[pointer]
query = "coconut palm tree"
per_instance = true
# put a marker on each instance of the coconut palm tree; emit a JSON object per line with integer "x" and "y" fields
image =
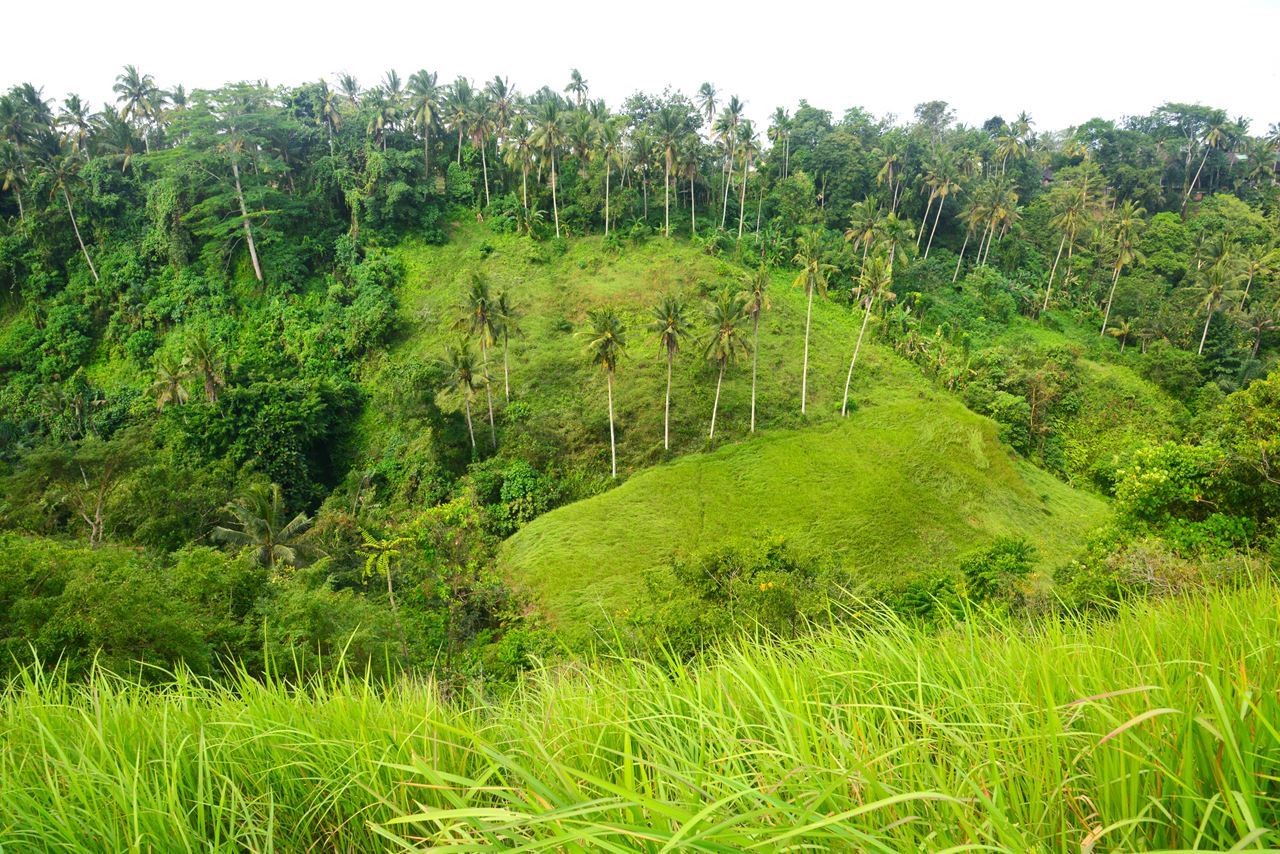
{"x": 1121, "y": 331}
{"x": 464, "y": 379}
{"x": 577, "y": 86}
{"x": 894, "y": 240}
{"x": 780, "y": 135}
{"x": 609, "y": 140}
{"x": 727, "y": 129}
{"x": 1126, "y": 225}
{"x": 865, "y": 224}
{"x": 873, "y": 284}
{"x": 424, "y": 105}
{"x": 1215, "y": 136}
{"x": 548, "y": 136}
{"x": 725, "y": 341}
{"x": 970, "y": 216}
{"x": 707, "y": 103}
{"x": 76, "y": 121}
{"x": 458, "y": 110}
{"x": 811, "y": 255}
{"x": 945, "y": 184}
{"x": 749, "y": 148}
{"x": 757, "y": 301}
{"x": 138, "y": 97}
{"x": 64, "y": 173}
{"x": 12, "y": 175}
{"x": 480, "y": 128}
{"x": 1258, "y": 321}
{"x": 261, "y": 523}
{"x": 608, "y": 342}
{"x": 1258, "y": 261}
{"x": 671, "y": 324}
{"x": 350, "y": 88}
{"x": 169, "y": 388}
{"x": 479, "y": 320}
{"x": 1069, "y": 221}
{"x": 330, "y": 112}
{"x": 1217, "y": 283}
{"x": 669, "y": 127}
{"x": 517, "y": 153}
{"x": 206, "y": 360}
{"x": 506, "y": 319}
{"x": 689, "y": 159}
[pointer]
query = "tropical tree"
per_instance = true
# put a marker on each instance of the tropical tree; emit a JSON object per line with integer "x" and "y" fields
{"x": 139, "y": 98}
{"x": 506, "y": 320}
{"x": 459, "y": 111}
{"x": 517, "y": 153}
{"x": 725, "y": 341}
{"x": 330, "y": 112}
{"x": 169, "y": 388}
{"x": 1217, "y": 283}
{"x": 577, "y": 86}
{"x": 811, "y": 255}
{"x": 480, "y": 321}
{"x": 424, "y": 102}
{"x": 895, "y": 240}
{"x": 873, "y": 284}
{"x": 780, "y": 135}
{"x": 944, "y": 185}
{"x": 1126, "y": 225}
{"x": 1257, "y": 322}
{"x": 608, "y": 342}
{"x": 757, "y": 301}
{"x": 748, "y": 148}
{"x": 205, "y": 359}
{"x": 1258, "y": 261}
{"x": 1121, "y": 331}
{"x": 1070, "y": 220}
{"x": 548, "y": 135}
{"x": 707, "y": 103}
{"x": 727, "y": 129}
{"x": 865, "y": 224}
{"x": 64, "y": 173}
{"x": 609, "y": 140}
{"x": 12, "y": 175}
{"x": 669, "y": 127}
{"x": 261, "y": 523}
{"x": 671, "y": 324}
{"x": 464, "y": 379}
{"x": 1215, "y": 137}
{"x": 381, "y": 554}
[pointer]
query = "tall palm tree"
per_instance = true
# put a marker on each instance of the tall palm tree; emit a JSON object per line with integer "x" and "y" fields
{"x": 548, "y": 135}
{"x": 169, "y": 388}
{"x": 945, "y": 184}
{"x": 1069, "y": 221}
{"x": 811, "y": 255}
{"x": 350, "y": 88}
{"x": 76, "y": 121}
{"x": 609, "y": 140}
{"x": 458, "y": 110}
{"x": 725, "y": 340}
{"x": 780, "y": 135}
{"x": 1258, "y": 261}
{"x": 424, "y": 104}
{"x": 757, "y": 301}
{"x": 873, "y": 284}
{"x": 1121, "y": 331}
{"x": 1125, "y": 226}
{"x": 12, "y": 175}
{"x": 206, "y": 360}
{"x": 1258, "y": 321}
{"x": 506, "y": 318}
{"x": 64, "y": 173}
{"x": 727, "y": 129}
{"x": 749, "y": 148}
{"x": 1217, "y": 284}
{"x": 480, "y": 321}
{"x": 481, "y": 127}
{"x": 262, "y": 524}
{"x": 608, "y": 342}
{"x": 1215, "y": 136}
{"x": 138, "y": 97}
{"x": 970, "y": 216}
{"x": 464, "y": 379}
{"x": 707, "y": 103}
{"x": 690, "y": 157}
{"x": 669, "y": 127}
{"x": 895, "y": 240}
{"x": 671, "y": 324}
{"x": 517, "y": 153}
{"x": 330, "y": 112}
{"x": 577, "y": 86}
{"x": 865, "y": 224}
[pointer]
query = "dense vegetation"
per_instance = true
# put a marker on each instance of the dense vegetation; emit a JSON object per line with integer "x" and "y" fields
{"x": 444, "y": 384}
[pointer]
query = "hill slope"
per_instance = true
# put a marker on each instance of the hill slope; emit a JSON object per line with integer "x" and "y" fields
{"x": 894, "y": 490}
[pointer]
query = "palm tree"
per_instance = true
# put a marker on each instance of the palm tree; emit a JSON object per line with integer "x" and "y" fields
{"x": 608, "y": 343}
{"x": 669, "y": 127}
{"x": 548, "y": 135}
{"x": 481, "y": 128}
{"x": 895, "y": 239}
{"x": 424, "y": 102}
{"x": 748, "y": 146}
{"x": 1217, "y": 284}
{"x": 757, "y": 301}
{"x": 725, "y": 317}
{"x": 1069, "y": 221}
{"x": 76, "y": 122}
{"x": 970, "y": 216}
{"x": 1258, "y": 321}
{"x": 1122, "y": 331}
{"x": 463, "y": 379}
{"x": 864, "y": 225}
{"x": 380, "y": 557}
{"x": 479, "y": 320}
{"x": 727, "y": 128}
{"x": 945, "y": 184}
{"x": 169, "y": 388}
{"x": 330, "y": 113}
{"x": 1125, "y": 227}
{"x": 873, "y": 284}
{"x": 261, "y": 523}
{"x": 814, "y": 269}
{"x": 64, "y": 172}
{"x": 1258, "y": 261}
{"x": 206, "y": 359}
{"x": 609, "y": 138}
{"x": 506, "y": 320}
{"x": 689, "y": 158}
{"x": 780, "y": 134}
{"x": 707, "y": 103}
{"x": 458, "y": 110}
{"x": 518, "y": 153}
{"x": 138, "y": 97}
{"x": 671, "y": 324}
{"x": 1215, "y": 136}
{"x": 577, "y": 86}
{"x": 12, "y": 174}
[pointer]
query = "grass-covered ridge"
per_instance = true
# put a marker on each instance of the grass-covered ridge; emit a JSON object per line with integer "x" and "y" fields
{"x": 898, "y": 488}
{"x": 1156, "y": 730}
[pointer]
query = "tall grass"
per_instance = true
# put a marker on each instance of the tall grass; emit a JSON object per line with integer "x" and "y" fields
{"x": 1158, "y": 729}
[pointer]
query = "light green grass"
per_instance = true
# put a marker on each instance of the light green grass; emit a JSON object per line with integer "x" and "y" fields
{"x": 895, "y": 489}
{"x": 1159, "y": 730}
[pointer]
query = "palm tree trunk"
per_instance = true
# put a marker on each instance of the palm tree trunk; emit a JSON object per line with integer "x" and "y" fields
{"x": 484, "y": 165}
{"x": 506, "y": 374}
{"x": 606, "y": 197}
{"x": 1106, "y": 316}
{"x": 923, "y": 220}
{"x": 613, "y": 447}
{"x": 1257, "y": 345}
{"x": 488, "y": 393}
{"x": 22, "y": 213}
{"x": 470, "y": 429}
{"x": 1052, "y": 271}
{"x": 459, "y": 145}
{"x": 244, "y": 214}
{"x": 1187, "y": 196}
{"x": 1124, "y": 339}
{"x": 1205, "y": 334}
{"x": 804, "y": 373}
{"x": 724, "y": 214}
{"x": 866, "y": 315}
{"x": 1245, "y": 295}
{"x": 742, "y": 197}
{"x": 666, "y": 198}
{"x": 524, "y": 187}
{"x": 693, "y": 207}
{"x": 555, "y": 207}
{"x": 67, "y": 198}
{"x": 755, "y": 358}
{"x": 426, "y": 150}
{"x": 968, "y": 233}
{"x": 666, "y": 412}
{"x": 942, "y": 201}
{"x": 716, "y": 406}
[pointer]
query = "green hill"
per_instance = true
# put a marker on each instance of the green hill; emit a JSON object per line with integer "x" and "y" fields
{"x": 895, "y": 490}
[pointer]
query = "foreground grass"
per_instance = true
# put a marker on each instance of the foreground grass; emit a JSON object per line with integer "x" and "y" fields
{"x": 1158, "y": 729}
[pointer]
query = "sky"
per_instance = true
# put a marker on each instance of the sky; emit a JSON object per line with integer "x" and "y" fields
{"x": 1063, "y": 62}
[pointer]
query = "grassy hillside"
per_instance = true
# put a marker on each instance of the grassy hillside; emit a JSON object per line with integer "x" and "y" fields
{"x": 1155, "y": 731}
{"x": 897, "y": 488}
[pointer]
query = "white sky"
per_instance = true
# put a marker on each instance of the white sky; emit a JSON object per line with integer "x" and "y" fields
{"x": 1063, "y": 62}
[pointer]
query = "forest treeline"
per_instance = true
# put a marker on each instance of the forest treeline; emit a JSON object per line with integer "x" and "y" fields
{"x": 196, "y": 285}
